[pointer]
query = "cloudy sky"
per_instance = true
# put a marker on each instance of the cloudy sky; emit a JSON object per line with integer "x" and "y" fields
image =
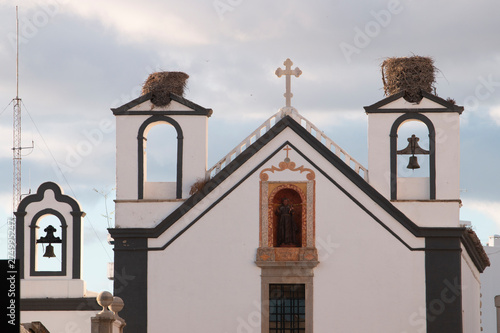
{"x": 79, "y": 58}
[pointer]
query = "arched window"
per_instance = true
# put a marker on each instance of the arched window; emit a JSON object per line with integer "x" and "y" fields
{"x": 161, "y": 153}
{"x": 399, "y": 132}
{"x": 142, "y": 138}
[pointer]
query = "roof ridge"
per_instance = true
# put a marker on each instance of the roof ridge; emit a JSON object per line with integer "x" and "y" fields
{"x": 308, "y": 125}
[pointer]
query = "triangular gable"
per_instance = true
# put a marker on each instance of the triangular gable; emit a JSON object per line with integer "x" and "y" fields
{"x": 429, "y": 103}
{"x": 178, "y": 105}
{"x": 348, "y": 172}
{"x": 286, "y": 122}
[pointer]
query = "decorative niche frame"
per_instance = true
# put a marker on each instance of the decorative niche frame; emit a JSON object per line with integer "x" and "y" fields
{"x": 301, "y": 194}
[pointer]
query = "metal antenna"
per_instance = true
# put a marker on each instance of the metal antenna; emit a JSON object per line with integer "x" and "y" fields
{"x": 17, "y": 129}
{"x": 16, "y": 149}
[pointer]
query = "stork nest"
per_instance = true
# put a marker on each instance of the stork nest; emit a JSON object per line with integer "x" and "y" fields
{"x": 408, "y": 74}
{"x": 161, "y": 84}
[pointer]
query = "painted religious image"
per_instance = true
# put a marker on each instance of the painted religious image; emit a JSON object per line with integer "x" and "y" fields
{"x": 287, "y": 229}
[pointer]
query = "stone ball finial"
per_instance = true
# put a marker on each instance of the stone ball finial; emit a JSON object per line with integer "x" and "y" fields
{"x": 104, "y": 299}
{"x": 117, "y": 305}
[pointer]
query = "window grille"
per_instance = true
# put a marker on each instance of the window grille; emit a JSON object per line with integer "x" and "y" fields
{"x": 287, "y": 308}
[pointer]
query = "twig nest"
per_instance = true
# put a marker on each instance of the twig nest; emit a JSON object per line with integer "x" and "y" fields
{"x": 408, "y": 74}
{"x": 198, "y": 185}
{"x": 161, "y": 84}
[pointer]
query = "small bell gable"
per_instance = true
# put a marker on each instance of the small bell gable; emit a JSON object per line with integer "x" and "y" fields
{"x": 179, "y": 130}
{"x": 49, "y": 240}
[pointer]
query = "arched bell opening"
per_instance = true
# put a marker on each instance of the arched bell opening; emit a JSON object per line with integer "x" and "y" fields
{"x": 287, "y": 223}
{"x": 416, "y": 187}
{"x": 48, "y": 244}
{"x": 413, "y": 150}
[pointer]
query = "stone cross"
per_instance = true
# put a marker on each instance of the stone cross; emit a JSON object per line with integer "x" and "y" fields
{"x": 288, "y": 71}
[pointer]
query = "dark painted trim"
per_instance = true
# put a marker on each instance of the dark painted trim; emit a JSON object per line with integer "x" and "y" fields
{"x": 166, "y": 113}
{"x": 33, "y": 226}
{"x": 443, "y": 284}
{"x": 393, "y": 152}
{"x": 20, "y": 217}
{"x": 441, "y": 232}
{"x": 60, "y": 304}
{"x": 452, "y": 107}
{"x": 419, "y": 110}
{"x": 77, "y": 248}
{"x": 39, "y": 195}
{"x": 131, "y": 281}
{"x": 447, "y": 106}
{"x": 141, "y": 99}
{"x": 374, "y": 107}
{"x": 198, "y": 110}
{"x": 77, "y": 220}
{"x": 140, "y": 153}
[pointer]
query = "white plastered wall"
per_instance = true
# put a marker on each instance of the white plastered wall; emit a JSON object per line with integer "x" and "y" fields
{"x": 143, "y": 213}
{"x": 127, "y": 129}
{"x": 431, "y": 213}
{"x": 379, "y": 159}
{"x": 490, "y": 286}
{"x": 207, "y": 280}
{"x": 447, "y": 127}
{"x": 471, "y": 290}
{"x": 195, "y": 130}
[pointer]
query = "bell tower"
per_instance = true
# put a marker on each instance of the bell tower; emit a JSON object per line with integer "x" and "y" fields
{"x": 392, "y": 159}
{"x": 49, "y": 233}
{"x": 160, "y": 104}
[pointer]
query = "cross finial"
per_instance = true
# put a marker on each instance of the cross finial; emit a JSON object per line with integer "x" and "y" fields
{"x": 288, "y": 72}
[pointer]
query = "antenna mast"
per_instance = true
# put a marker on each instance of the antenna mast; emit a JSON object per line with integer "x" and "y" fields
{"x": 16, "y": 149}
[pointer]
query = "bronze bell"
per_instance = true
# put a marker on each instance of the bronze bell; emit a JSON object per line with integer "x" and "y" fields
{"x": 49, "y": 238}
{"x": 49, "y": 252}
{"x": 413, "y": 163}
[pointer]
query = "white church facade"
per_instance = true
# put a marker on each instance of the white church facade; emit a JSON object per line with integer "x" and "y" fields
{"x": 290, "y": 233}
{"x": 287, "y": 233}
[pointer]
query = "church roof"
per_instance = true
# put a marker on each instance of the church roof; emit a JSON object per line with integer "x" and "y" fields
{"x": 310, "y": 128}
